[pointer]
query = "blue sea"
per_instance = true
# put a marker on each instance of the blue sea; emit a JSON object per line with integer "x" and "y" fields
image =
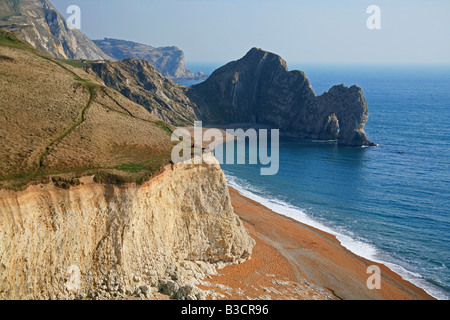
{"x": 390, "y": 203}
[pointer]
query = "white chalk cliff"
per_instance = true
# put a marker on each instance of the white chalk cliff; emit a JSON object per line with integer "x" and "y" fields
{"x": 107, "y": 241}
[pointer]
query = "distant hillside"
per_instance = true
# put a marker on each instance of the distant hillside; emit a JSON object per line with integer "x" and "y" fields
{"x": 56, "y": 119}
{"x": 140, "y": 82}
{"x": 40, "y": 24}
{"x": 167, "y": 60}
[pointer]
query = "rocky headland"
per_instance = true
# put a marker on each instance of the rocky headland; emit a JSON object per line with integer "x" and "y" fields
{"x": 169, "y": 61}
{"x": 258, "y": 90}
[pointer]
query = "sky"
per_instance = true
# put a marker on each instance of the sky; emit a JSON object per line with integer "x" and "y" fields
{"x": 301, "y": 31}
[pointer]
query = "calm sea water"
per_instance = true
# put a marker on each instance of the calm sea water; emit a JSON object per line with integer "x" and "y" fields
{"x": 390, "y": 203}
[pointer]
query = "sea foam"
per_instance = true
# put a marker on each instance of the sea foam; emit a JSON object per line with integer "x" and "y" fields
{"x": 356, "y": 246}
{"x": 347, "y": 239}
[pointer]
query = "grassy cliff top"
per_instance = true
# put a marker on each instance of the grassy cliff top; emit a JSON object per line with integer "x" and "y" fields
{"x": 58, "y": 121}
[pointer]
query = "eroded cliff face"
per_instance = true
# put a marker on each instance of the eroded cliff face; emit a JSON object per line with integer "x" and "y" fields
{"x": 109, "y": 241}
{"x": 139, "y": 81}
{"x": 41, "y": 25}
{"x": 259, "y": 90}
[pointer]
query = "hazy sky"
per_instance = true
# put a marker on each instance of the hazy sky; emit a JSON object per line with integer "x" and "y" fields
{"x": 301, "y": 31}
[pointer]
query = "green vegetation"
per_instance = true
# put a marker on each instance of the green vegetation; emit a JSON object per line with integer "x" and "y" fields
{"x": 132, "y": 172}
{"x": 75, "y": 63}
{"x": 9, "y": 39}
{"x": 164, "y": 126}
{"x": 152, "y": 165}
{"x": 20, "y": 183}
{"x": 132, "y": 167}
{"x": 64, "y": 183}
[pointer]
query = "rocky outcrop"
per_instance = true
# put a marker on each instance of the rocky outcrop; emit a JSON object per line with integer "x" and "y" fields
{"x": 108, "y": 241}
{"x": 258, "y": 90}
{"x": 140, "y": 82}
{"x": 41, "y": 25}
{"x": 349, "y": 115}
{"x": 169, "y": 61}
